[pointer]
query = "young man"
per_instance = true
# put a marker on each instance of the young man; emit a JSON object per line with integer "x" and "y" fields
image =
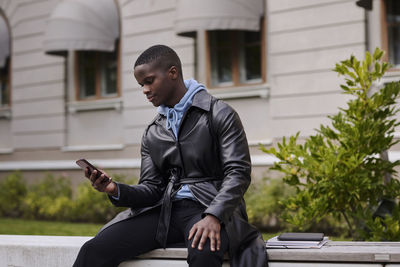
{"x": 195, "y": 170}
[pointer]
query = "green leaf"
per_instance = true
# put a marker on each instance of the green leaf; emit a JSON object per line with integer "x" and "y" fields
{"x": 368, "y": 59}
{"x": 378, "y": 53}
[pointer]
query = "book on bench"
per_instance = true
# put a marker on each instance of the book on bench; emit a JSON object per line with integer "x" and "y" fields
{"x": 297, "y": 240}
{"x": 301, "y": 237}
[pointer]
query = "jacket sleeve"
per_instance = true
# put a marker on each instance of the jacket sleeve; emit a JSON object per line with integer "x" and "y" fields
{"x": 151, "y": 184}
{"x": 235, "y": 161}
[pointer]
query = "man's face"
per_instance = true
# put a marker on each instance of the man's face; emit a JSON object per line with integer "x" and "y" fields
{"x": 156, "y": 83}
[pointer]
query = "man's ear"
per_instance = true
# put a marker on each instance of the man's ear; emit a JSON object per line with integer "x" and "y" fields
{"x": 173, "y": 72}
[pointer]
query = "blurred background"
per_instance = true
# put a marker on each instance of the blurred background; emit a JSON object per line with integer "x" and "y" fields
{"x": 68, "y": 90}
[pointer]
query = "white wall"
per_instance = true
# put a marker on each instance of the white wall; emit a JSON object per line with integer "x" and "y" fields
{"x": 37, "y": 79}
{"x": 305, "y": 40}
{"x": 146, "y": 23}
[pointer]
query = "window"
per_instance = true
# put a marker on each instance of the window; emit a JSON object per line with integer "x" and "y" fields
{"x": 96, "y": 75}
{"x": 5, "y": 85}
{"x": 391, "y": 30}
{"x": 235, "y": 58}
{"x": 5, "y": 61}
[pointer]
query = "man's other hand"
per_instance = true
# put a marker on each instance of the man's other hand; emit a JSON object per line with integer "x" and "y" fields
{"x": 208, "y": 227}
{"x": 103, "y": 183}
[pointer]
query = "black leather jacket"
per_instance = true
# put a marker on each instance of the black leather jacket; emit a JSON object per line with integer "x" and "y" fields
{"x": 195, "y": 155}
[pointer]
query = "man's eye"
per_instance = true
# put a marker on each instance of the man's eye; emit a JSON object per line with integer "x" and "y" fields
{"x": 148, "y": 82}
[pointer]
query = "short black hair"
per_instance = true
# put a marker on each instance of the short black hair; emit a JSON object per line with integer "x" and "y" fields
{"x": 164, "y": 56}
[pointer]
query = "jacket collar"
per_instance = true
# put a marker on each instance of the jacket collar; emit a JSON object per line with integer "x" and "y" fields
{"x": 202, "y": 100}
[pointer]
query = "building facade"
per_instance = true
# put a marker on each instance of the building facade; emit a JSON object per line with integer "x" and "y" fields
{"x": 68, "y": 90}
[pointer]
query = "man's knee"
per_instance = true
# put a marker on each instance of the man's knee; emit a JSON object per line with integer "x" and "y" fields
{"x": 91, "y": 247}
{"x": 87, "y": 254}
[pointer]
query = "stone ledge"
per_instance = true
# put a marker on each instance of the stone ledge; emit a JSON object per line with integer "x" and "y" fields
{"x": 60, "y": 251}
{"x": 371, "y": 252}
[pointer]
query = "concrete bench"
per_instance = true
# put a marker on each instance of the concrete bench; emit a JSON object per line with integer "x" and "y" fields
{"x": 60, "y": 251}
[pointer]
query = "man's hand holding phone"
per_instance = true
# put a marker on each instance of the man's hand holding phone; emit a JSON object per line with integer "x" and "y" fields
{"x": 99, "y": 179}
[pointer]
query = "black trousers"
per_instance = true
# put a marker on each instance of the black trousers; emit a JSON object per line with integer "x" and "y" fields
{"x": 130, "y": 238}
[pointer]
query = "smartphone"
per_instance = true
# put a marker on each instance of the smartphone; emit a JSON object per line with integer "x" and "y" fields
{"x": 83, "y": 163}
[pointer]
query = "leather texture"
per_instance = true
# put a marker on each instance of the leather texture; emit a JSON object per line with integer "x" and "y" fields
{"x": 195, "y": 155}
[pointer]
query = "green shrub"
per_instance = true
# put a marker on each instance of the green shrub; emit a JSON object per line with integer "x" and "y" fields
{"x": 49, "y": 199}
{"x": 12, "y": 193}
{"x": 263, "y": 201}
{"x": 384, "y": 228}
{"x": 90, "y": 205}
{"x": 52, "y": 198}
{"x": 340, "y": 172}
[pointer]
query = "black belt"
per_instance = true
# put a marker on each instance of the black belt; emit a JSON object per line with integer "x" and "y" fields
{"x": 165, "y": 214}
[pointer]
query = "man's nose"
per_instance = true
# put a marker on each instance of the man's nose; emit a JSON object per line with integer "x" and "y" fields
{"x": 146, "y": 89}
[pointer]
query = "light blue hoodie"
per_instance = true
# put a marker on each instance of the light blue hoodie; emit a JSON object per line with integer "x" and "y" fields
{"x": 174, "y": 115}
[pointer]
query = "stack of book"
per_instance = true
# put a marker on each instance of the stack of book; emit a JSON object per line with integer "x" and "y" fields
{"x": 297, "y": 240}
